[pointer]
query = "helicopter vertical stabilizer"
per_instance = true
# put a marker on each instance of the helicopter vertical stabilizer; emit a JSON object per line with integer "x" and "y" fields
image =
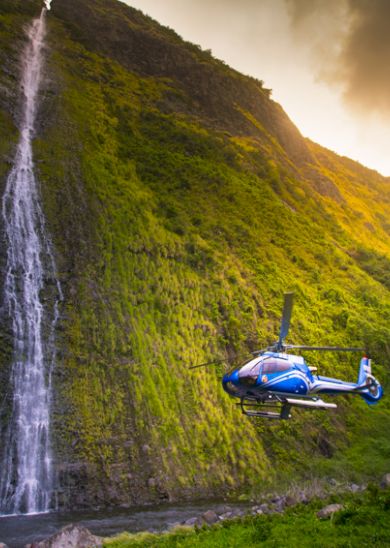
{"x": 365, "y": 369}
{"x": 373, "y": 391}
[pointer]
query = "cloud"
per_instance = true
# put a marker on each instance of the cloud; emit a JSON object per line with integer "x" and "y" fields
{"x": 349, "y": 41}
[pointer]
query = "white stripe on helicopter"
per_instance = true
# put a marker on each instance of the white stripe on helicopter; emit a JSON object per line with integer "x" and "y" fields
{"x": 286, "y": 376}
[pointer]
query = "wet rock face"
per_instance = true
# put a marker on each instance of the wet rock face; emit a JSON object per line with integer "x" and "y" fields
{"x": 71, "y": 536}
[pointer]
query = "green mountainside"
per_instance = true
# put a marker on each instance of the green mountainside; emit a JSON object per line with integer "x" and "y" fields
{"x": 182, "y": 203}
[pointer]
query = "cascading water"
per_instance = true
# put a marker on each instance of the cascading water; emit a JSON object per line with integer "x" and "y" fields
{"x": 26, "y": 474}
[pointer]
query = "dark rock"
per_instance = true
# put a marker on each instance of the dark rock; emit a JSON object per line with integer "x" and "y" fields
{"x": 210, "y": 517}
{"x": 328, "y": 511}
{"x": 71, "y": 536}
{"x": 385, "y": 481}
{"x": 289, "y": 500}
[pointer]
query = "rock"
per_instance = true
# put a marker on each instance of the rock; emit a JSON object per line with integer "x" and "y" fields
{"x": 199, "y": 522}
{"x": 329, "y": 510}
{"x": 355, "y": 488}
{"x": 279, "y": 505}
{"x": 303, "y": 498}
{"x": 265, "y": 508}
{"x": 210, "y": 517}
{"x": 385, "y": 481}
{"x": 290, "y": 501}
{"x": 227, "y": 515}
{"x": 238, "y": 512}
{"x": 191, "y": 522}
{"x": 71, "y": 536}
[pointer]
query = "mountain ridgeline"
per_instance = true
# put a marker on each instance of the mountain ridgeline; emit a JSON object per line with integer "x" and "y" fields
{"x": 182, "y": 203}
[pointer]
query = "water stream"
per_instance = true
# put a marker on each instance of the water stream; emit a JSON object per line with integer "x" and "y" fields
{"x": 17, "y": 531}
{"x": 31, "y": 294}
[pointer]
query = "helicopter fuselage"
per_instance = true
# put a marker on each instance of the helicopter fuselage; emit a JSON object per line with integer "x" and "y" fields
{"x": 273, "y": 381}
{"x": 288, "y": 376}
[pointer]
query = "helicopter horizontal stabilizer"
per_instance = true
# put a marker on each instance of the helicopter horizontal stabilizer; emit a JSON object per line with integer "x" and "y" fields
{"x": 314, "y": 404}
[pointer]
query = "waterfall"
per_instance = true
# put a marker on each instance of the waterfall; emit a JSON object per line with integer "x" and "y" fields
{"x": 26, "y": 474}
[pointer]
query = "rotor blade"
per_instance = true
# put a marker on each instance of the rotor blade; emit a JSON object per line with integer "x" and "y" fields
{"x": 259, "y": 352}
{"x": 214, "y": 362}
{"x": 329, "y": 348}
{"x": 273, "y": 348}
{"x": 286, "y": 317}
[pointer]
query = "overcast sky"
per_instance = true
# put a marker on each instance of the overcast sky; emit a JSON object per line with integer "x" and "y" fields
{"x": 327, "y": 61}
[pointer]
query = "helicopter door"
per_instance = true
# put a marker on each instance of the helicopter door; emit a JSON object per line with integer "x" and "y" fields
{"x": 275, "y": 366}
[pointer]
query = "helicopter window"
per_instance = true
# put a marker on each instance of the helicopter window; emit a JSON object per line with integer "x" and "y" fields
{"x": 251, "y": 368}
{"x": 276, "y": 366}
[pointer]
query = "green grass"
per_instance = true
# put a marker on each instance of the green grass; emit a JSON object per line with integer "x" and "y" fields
{"x": 365, "y": 518}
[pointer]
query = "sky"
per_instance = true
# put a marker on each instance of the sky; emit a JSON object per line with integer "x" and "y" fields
{"x": 326, "y": 61}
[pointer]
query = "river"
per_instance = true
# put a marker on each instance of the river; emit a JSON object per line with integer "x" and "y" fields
{"x": 17, "y": 531}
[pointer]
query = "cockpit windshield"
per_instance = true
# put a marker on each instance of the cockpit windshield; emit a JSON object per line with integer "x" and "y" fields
{"x": 251, "y": 368}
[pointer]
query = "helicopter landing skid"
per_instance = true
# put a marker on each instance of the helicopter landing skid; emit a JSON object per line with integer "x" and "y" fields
{"x": 274, "y": 408}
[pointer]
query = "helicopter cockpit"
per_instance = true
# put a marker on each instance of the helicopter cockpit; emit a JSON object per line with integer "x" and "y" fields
{"x": 249, "y": 372}
{"x": 265, "y": 365}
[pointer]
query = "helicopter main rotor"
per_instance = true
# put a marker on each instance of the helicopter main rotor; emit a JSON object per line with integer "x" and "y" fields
{"x": 279, "y": 346}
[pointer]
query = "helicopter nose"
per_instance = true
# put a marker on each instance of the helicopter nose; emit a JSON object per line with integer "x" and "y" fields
{"x": 230, "y": 377}
{"x": 229, "y": 383}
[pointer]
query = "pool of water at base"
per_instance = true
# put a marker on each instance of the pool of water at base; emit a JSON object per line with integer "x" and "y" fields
{"x": 17, "y": 531}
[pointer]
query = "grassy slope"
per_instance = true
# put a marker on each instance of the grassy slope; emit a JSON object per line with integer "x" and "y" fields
{"x": 176, "y": 237}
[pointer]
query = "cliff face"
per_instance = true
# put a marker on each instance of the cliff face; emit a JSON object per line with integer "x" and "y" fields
{"x": 182, "y": 204}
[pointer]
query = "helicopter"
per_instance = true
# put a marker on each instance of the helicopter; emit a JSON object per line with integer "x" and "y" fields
{"x": 274, "y": 380}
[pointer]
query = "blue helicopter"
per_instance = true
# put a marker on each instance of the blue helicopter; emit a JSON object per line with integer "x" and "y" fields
{"x": 273, "y": 380}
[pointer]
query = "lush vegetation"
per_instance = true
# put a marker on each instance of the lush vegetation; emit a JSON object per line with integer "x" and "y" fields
{"x": 176, "y": 235}
{"x": 364, "y": 518}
